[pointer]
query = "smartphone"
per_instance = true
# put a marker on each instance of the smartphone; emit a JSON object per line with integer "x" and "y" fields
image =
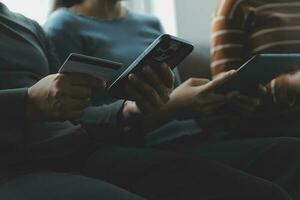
{"x": 165, "y": 49}
{"x": 260, "y": 70}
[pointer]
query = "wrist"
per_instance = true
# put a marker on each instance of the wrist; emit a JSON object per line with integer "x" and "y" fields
{"x": 157, "y": 119}
{"x": 31, "y": 109}
{"x": 129, "y": 112}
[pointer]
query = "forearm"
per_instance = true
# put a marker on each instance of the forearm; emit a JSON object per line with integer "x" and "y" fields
{"x": 104, "y": 114}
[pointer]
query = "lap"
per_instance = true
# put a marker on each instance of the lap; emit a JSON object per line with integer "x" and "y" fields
{"x": 156, "y": 174}
{"x": 60, "y": 186}
{"x": 274, "y": 159}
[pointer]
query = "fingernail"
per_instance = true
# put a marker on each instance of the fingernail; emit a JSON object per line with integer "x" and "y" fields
{"x": 231, "y": 72}
{"x": 104, "y": 84}
{"x": 132, "y": 77}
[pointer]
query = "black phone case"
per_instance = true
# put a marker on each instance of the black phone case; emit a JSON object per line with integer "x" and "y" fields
{"x": 166, "y": 49}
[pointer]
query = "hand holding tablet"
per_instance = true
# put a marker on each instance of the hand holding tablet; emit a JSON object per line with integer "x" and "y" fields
{"x": 260, "y": 70}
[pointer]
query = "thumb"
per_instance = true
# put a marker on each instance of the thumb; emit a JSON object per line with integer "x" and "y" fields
{"x": 220, "y": 80}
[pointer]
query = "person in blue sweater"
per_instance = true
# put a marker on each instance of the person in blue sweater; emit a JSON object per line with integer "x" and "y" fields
{"x": 108, "y": 30}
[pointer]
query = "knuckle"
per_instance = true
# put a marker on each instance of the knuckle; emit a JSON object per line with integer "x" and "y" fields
{"x": 166, "y": 99}
{"x": 58, "y": 106}
{"x": 57, "y": 94}
{"x": 191, "y": 80}
{"x": 152, "y": 92}
{"x": 205, "y": 80}
{"x": 60, "y": 79}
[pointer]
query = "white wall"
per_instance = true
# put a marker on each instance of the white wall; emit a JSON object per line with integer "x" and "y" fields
{"x": 193, "y": 19}
{"x": 189, "y": 19}
{"x": 163, "y": 9}
{"x": 194, "y": 24}
{"x": 34, "y": 9}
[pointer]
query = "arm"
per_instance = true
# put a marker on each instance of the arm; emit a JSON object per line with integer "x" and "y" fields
{"x": 195, "y": 98}
{"x": 228, "y": 50}
{"x": 105, "y": 114}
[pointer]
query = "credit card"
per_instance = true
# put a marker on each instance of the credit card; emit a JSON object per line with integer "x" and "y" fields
{"x": 96, "y": 67}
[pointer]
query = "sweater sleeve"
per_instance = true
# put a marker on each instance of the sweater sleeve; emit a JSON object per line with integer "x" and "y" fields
{"x": 104, "y": 114}
{"x": 12, "y": 104}
{"x": 279, "y": 89}
{"x": 227, "y": 38}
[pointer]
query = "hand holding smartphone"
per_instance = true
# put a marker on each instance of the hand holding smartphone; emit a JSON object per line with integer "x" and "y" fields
{"x": 165, "y": 49}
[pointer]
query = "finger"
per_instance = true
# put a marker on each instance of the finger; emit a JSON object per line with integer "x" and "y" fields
{"x": 262, "y": 89}
{"x": 250, "y": 101}
{"x": 211, "y": 109}
{"x": 86, "y": 80}
{"x": 220, "y": 80}
{"x": 140, "y": 100}
{"x": 145, "y": 90}
{"x": 194, "y": 82}
{"x": 217, "y": 97}
{"x": 232, "y": 95}
{"x": 153, "y": 79}
{"x": 212, "y": 104}
{"x": 167, "y": 76}
{"x": 79, "y": 92}
{"x": 244, "y": 106}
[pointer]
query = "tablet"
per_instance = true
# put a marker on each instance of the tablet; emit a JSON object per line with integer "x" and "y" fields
{"x": 165, "y": 49}
{"x": 260, "y": 69}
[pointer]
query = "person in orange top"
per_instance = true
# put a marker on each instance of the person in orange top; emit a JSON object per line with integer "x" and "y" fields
{"x": 241, "y": 29}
